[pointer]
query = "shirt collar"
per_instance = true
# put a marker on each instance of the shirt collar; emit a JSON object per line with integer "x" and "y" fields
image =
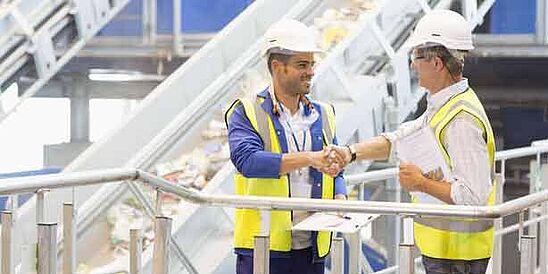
{"x": 300, "y": 120}
{"x": 287, "y": 112}
{"x": 268, "y": 93}
{"x": 436, "y": 101}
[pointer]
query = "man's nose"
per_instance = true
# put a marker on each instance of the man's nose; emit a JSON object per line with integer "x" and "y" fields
{"x": 310, "y": 71}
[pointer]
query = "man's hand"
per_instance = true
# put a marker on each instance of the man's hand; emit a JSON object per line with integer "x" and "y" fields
{"x": 340, "y": 154}
{"x": 411, "y": 178}
{"x": 322, "y": 161}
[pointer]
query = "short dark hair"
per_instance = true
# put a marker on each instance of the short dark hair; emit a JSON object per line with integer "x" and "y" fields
{"x": 284, "y": 58}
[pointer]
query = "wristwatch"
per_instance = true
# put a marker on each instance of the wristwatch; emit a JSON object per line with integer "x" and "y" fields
{"x": 352, "y": 151}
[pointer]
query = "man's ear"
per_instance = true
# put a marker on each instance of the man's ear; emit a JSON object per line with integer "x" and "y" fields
{"x": 276, "y": 64}
{"x": 439, "y": 64}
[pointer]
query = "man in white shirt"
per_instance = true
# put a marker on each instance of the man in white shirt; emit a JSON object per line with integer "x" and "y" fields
{"x": 463, "y": 133}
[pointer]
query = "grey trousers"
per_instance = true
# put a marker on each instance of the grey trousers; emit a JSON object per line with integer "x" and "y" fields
{"x": 445, "y": 266}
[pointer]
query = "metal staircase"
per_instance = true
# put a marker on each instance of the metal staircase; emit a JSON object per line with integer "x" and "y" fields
{"x": 365, "y": 76}
{"x": 38, "y": 37}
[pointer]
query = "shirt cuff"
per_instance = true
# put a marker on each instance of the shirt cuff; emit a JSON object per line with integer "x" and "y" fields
{"x": 391, "y": 137}
{"x": 461, "y": 194}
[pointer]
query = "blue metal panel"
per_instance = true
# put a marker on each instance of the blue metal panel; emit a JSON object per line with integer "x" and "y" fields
{"x": 127, "y": 22}
{"x": 30, "y": 173}
{"x": 511, "y": 16}
{"x": 523, "y": 125}
{"x": 198, "y": 16}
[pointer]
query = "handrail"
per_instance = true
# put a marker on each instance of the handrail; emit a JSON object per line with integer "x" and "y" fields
{"x": 32, "y": 184}
{"x": 376, "y": 175}
{"x": 520, "y": 152}
{"x": 51, "y": 181}
{"x": 10, "y": 186}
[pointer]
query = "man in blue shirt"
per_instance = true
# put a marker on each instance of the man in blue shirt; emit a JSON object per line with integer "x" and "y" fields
{"x": 279, "y": 145}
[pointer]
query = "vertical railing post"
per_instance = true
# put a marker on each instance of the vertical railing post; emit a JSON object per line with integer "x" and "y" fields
{"x": 543, "y": 236}
{"x": 361, "y": 192}
{"x": 149, "y": 22}
{"x": 158, "y": 206}
{"x": 177, "y": 36}
{"x": 69, "y": 239}
{"x": 135, "y": 250}
{"x": 337, "y": 256}
{"x": 406, "y": 262}
{"x": 162, "y": 236}
{"x": 499, "y": 197}
{"x": 354, "y": 252}
{"x": 406, "y": 259}
{"x": 261, "y": 255}
{"x": 47, "y": 248}
{"x": 13, "y": 204}
{"x": 41, "y": 205}
{"x": 543, "y": 240}
{"x": 7, "y": 247}
{"x": 527, "y": 256}
{"x": 261, "y": 249}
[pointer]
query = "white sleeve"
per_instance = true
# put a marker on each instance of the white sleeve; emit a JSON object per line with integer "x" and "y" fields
{"x": 471, "y": 182}
{"x": 402, "y": 131}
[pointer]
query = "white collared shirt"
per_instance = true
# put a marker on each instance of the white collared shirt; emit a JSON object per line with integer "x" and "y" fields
{"x": 471, "y": 181}
{"x": 300, "y": 185}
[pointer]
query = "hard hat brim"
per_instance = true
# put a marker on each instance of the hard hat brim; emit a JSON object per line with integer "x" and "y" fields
{"x": 264, "y": 52}
{"x": 415, "y": 41}
{"x": 410, "y": 43}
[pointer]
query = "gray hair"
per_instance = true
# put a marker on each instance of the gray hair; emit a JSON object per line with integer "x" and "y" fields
{"x": 452, "y": 58}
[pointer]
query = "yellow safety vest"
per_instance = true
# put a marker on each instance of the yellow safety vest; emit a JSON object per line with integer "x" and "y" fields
{"x": 248, "y": 221}
{"x": 458, "y": 239}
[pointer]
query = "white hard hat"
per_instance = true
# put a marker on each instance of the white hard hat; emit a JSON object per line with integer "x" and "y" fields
{"x": 291, "y": 35}
{"x": 444, "y": 27}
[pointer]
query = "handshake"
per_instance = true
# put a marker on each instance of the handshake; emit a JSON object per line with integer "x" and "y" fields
{"x": 331, "y": 160}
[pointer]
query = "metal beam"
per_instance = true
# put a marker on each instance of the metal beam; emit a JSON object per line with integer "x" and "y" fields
{"x": 541, "y": 22}
{"x": 47, "y": 60}
{"x": 98, "y": 89}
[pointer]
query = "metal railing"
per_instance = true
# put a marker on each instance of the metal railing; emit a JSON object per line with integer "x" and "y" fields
{"x": 47, "y": 235}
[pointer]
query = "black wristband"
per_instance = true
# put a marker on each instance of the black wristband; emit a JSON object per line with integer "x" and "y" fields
{"x": 352, "y": 153}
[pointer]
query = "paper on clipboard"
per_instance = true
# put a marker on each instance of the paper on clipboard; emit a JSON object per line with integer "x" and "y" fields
{"x": 348, "y": 223}
{"x": 420, "y": 148}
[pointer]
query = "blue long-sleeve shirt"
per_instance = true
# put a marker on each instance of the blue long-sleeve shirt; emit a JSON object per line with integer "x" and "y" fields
{"x": 251, "y": 160}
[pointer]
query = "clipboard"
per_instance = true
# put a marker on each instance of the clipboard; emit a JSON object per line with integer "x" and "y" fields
{"x": 323, "y": 221}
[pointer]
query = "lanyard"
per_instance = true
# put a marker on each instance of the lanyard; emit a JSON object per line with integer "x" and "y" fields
{"x": 300, "y": 170}
{"x": 295, "y": 138}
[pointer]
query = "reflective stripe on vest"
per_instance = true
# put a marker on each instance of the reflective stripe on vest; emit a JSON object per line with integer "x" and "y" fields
{"x": 248, "y": 222}
{"x": 460, "y": 239}
{"x": 328, "y": 125}
{"x": 455, "y": 225}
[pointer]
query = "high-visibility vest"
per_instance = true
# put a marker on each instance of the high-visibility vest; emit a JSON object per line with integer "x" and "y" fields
{"x": 248, "y": 221}
{"x": 458, "y": 239}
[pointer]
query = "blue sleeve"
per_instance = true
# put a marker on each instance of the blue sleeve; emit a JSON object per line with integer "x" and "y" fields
{"x": 247, "y": 150}
{"x": 340, "y": 183}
